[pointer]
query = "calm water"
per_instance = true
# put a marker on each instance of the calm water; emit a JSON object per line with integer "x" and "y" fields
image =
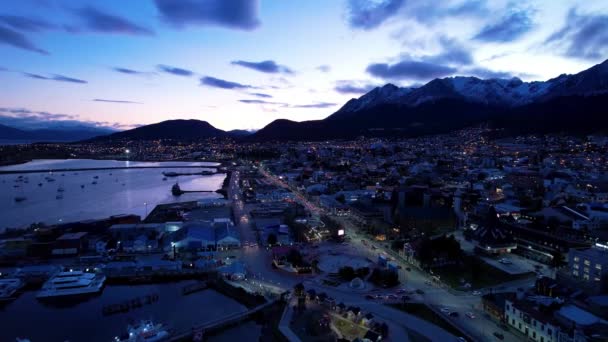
{"x": 27, "y": 317}
{"x": 116, "y": 192}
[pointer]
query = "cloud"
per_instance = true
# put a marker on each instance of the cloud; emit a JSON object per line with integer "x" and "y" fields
{"x": 287, "y": 105}
{"x": 324, "y": 68}
{"x": 510, "y": 27}
{"x": 487, "y": 73}
{"x": 26, "y": 24}
{"x": 409, "y": 69}
{"x": 175, "y": 71}
{"x": 430, "y": 12}
{"x": 353, "y": 87}
{"x": 223, "y": 84}
{"x": 453, "y": 53}
{"x": 266, "y": 96}
{"x": 234, "y": 14}
{"x": 315, "y": 105}
{"x": 129, "y": 71}
{"x": 59, "y": 78}
{"x": 18, "y": 40}
{"x": 583, "y": 36}
{"x": 366, "y": 15}
{"x": 248, "y": 101}
{"x": 116, "y": 101}
{"x": 96, "y": 20}
{"x": 269, "y": 66}
{"x": 24, "y": 118}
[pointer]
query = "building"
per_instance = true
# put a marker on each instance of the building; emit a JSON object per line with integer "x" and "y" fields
{"x": 70, "y": 244}
{"x": 534, "y": 320}
{"x": 589, "y": 268}
{"x": 494, "y": 304}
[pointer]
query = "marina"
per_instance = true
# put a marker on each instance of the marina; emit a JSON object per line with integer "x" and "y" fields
{"x": 128, "y": 190}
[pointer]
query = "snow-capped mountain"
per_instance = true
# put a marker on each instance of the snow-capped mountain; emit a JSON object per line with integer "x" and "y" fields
{"x": 503, "y": 92}
{"x": 568, "y": 103}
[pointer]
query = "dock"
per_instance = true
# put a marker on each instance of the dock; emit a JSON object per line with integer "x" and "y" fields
{"x": 131, "y": 304}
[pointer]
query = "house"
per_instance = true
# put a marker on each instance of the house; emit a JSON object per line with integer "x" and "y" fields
{"x": 368, "y": 319}
{"x": 534, "y": 320}
{"x": 353, "y": 313}
{"x": 494, "y": 304}
{"x": 70, "y": 244}
{"x": 226, "y": 236}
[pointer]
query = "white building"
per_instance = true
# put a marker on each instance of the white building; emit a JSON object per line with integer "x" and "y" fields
{"x": 526, "y": 317}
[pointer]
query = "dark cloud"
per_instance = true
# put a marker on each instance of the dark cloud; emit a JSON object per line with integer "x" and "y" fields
{"x": 430, "y": 12}
{"x": 487, "y": 73}
{"x": 26, "y": 24}
{"x": 510, "y": 27}
{"x": 287, "y": 105}
{"x": 315, "y": 105}
{"x": 235, "y": 14}
{"x": 59, "y": 78}
{"x": 175, "y": 71}
{"x": 409, "y": 69}
{"x": 269, "y": 66}
{"x": 324, "y": 68}
{"x": 96, "y": 20}
{"x": 248, "y": 101}
{"x": 353, "y": 87}
{"x": 367, "y": 15}
{"x": 453, "y": 53}
{"x": 129, "y": 71}
{"x": 583, "y": 36}
{"x": 116, "y": 101}
{"x": 219, "y": 83}
{"x": 266, "y": 96}
{"x": 18, "y": 40}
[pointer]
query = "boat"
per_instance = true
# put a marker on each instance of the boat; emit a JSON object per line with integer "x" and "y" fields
{"x": 59, "y": 196}
{"x": 164, "y": 178}
{"x": 94, "y": 182}
{"x": 39, "y": 184}
{"x": 82, "y": 186}
{"x": 96, "y": 177}
{"x": 60, "y": 189}
{"x": 144, "y": 331}
{"x": 20, "y": 198}
{"x": 72, "y": 283}
{"x": 9, "y": 288}
{"x": 176, "y": 190}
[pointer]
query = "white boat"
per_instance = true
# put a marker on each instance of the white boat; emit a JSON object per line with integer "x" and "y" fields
{"x": 9, "y": 287}
{"x": 72, "y": 283}
{"x": 144, "y": 331}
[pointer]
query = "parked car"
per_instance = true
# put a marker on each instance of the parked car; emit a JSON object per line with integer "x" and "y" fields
{"x": 499, "y": 335}
{"x": 476, "y": 293}
{"x": 408, "y": 269}
{"x": 445, "y": 310}
{"x": 470, "y": 315}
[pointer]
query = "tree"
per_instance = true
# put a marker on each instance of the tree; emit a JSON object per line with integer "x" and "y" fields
{"x": 271, "y": 240}
{"x": 347, "y": 273}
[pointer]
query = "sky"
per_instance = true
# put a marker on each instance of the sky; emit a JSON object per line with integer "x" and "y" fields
{"x": 240, "y": 64}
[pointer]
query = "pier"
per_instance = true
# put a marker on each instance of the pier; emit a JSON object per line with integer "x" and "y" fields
{"x": 220, "y": 323}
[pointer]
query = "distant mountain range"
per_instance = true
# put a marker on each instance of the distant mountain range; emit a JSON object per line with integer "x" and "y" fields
{"x": 571, "y": 103}
{"x": 173, "y": 129}
{"x": 66, "y": 134}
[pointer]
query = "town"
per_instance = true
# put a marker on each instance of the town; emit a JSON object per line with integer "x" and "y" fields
{"x": 466, "y": 236}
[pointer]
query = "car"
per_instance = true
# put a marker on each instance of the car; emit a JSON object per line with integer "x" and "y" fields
{"x": 499, "y": 335}
{"x": 391, "y": 297}
{"x": 470, "y": 315}
{"x": 404, "y": 298}
{"x": 476, "y": 293}
{"x": 445, "y": 310}
{"x": 454, "y": 314}
{"x": 400, "y": 291}
{"x": 462, "y": 339}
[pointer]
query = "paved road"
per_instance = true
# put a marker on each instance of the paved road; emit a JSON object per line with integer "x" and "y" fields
{"x": 480, "y": 327}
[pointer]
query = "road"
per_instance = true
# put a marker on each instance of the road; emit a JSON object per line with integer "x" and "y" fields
{"x": 262, "y": 275}
{"x": 481, "y": 327}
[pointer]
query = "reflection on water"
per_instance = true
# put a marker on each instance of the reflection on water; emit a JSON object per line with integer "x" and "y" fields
{"x": 72, "y": 196}
{"x": 27, "y": 317}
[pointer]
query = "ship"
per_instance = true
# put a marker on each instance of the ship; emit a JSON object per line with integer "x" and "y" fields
{"x": 20, "y": 198}
{"x": 72, "y": 283}
{"x": 144, "y": 331}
